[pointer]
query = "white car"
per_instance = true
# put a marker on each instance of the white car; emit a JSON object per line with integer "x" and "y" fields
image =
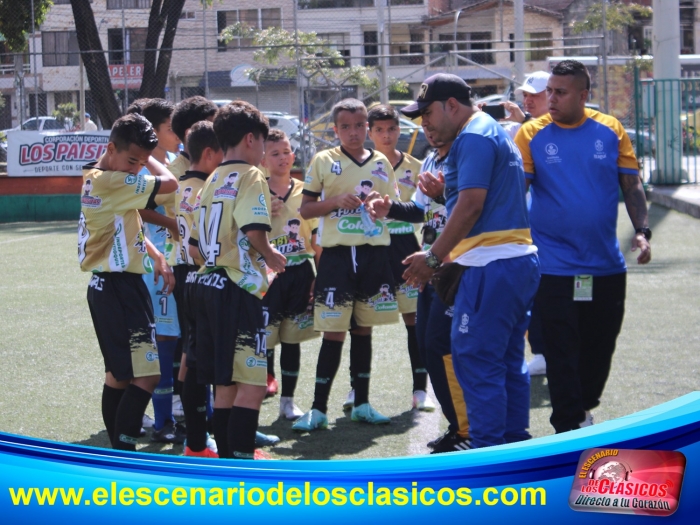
{"x": 291, "y": 126}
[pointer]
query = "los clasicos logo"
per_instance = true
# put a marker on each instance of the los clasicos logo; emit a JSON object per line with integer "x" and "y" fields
{"x": 620, "y": 481}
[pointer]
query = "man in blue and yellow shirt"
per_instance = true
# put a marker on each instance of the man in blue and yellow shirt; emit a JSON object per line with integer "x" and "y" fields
{"x": 488, "y": 232}
{"x": 575, "y": 160}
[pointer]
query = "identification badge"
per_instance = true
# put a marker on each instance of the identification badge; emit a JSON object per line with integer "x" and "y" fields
{"x": 583, "y": 288}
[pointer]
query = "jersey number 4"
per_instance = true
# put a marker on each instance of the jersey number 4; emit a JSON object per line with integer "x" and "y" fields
{"x": 335, "y": 168}
{"x": 209, "y": 223}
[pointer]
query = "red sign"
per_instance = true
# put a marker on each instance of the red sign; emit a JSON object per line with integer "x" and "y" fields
{"x": 132, "y": 73}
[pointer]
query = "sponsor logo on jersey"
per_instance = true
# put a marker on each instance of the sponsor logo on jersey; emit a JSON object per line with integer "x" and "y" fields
{"x": 600, "y": 149}
{"x": 464, "y": 324}
{"x": 141, "y": 184}
{"x": 330, "y": 315}
{"x": 130, "y": 179}
{"x": 379, "y": 171}
{"x": 151, "y": 356}
{"x": 406, "y": 180}
{"x": 409, "y": 291}
{"x": 354, "y": 225}
{"x": 87, "y": 200}
{"x": 184, "y": 205}
{"x": 551, "y": 150}
{"x": 227, "y": 191}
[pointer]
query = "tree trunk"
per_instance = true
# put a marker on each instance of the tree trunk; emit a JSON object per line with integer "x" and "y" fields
{"x": 155, "y": 77}
{"x": 95, "y": 63}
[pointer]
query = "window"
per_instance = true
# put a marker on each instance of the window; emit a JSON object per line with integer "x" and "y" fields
{"x": 128, "y": 4}
{"x": 533, "y": 41}
{"x": 371, "y": 48}
{"x": 328, "y": 4}
{"x": 64, "y": 48}
{"x": 436, "y": 49}
{"x": 415, "y": 45}
{"x": 62, "y": 97}
{"x": 133, "y": 52}
{"x": 339, "y": 42}
{"x": 255, "y": 18}
{"x": 188, "y": 15}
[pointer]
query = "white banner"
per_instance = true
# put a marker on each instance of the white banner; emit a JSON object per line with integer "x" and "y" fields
{"x": 37, "y": 154}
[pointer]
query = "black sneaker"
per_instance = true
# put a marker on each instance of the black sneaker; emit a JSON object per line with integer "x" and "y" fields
{"x": 452, "y": 443}
{"x": 434, "y": 443}
{"x": 170, "y": 433}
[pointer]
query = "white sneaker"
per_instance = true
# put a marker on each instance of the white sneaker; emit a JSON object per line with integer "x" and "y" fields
{"x": 538, "y": 366}
{"x": 178, "y": 411}
{"x": 422, "y": 402}
{"x": 350, "y": 401}
{"x": 211, "y": 444}
{"x": 289, "y": 410}
{"x": 147, "y": 421}
{"x": 588, "y": 421}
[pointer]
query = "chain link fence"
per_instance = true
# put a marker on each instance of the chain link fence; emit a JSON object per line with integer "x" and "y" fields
{"x": 296, "y": 59}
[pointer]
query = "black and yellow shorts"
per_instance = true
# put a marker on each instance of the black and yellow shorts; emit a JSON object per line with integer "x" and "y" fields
{"x": 230, "y": 344}
{"x": 122, "y": 314}
{"x": 287, "y": 306}
{"x": 403, "y": 245}
{"x": 354, "y": 287}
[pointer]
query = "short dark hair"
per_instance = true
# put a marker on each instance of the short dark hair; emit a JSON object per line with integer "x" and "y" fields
{"x": 137, "y": 106}
{"x": 276, "y": 135}
{"x": 367, "y": 183}
{"x": 382, "y": 112}
{"x": 348, "y": 104}
{"x": 235, "y": 120}
{"x": 133, "y": 129}
{"x": 156, "y": 110}
{"x": 574, "y": 68}
{"x": 290, "y": 222}
{"x": 201, "y": 137}
{"x": 190, "y": 111}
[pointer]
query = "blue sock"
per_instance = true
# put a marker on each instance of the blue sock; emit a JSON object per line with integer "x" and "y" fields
{"x": 163, "y": 394}
{"x": 210, "y": 409}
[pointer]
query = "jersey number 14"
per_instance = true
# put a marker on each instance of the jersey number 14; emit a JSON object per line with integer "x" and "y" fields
{"x": 209, "y": 224}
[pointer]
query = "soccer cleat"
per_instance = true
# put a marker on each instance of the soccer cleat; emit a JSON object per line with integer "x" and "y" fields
{"x": 265, "y": 440}
{"x": 289, "y": 409}
{"x": 367, "y": 414}
{"x": 170, "y": 433}
{"x": 206, "y": 453}
{"x": 261, "y": 454}
{"x": 312, "y": 420}
{"x": 588, "y": 421}
{"x": 350, "y": 401}
{"x": 272, "y": 386}
{"x": 422, "y": 402}
{"x": 178, "y": 411}
{"x": 211, "y": 444}
{"x": 435, "y": 442}
{"x": 537, "y": 366}
{"x": 147, "y": 421}
{"x": 452, "y": 443}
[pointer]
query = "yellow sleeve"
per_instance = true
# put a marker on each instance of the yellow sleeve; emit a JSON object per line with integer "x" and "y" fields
{"x": 253, "y": 202}
{"x": 626, "y": 160}
{"x": 313, "y": 182}
{"x": 522, "y": 140}
{"x": 313, "y": 224}
{"x": 130, "y": 192}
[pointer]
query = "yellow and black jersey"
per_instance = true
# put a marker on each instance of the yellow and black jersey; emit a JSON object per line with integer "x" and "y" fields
{"x": 291, "y": 234}
{"x": 190, "y": 185}
{"x": 235, "y": 199}
{"x": 173, "y": 248}
{"x": 334, "y": 172}
{"x": 110, "y": 231}
{"x": 406, "y": 171}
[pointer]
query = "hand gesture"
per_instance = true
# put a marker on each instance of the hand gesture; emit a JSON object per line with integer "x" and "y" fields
{"x": 347, "y": 201}
{"x": 516, "y": 114}
{"x": 275, "y": 260}
{"x": 430, "y": 185}
{"x": 378, "y": 207}
{"x": 277, "y": 205}
{"x": 639, "y": 241}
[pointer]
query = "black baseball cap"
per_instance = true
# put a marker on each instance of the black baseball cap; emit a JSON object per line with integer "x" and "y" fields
{"x": 439, "y": 87}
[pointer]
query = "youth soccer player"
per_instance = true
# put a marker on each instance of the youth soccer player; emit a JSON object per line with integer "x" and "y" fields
{"x": 205, "y": 155}
{"x": 354, "y": 287}
{"x": 230, "y": 232}
{"x": 112, "y": 245}
{"x": 384, "y": 131}
{"x": 287, "y": 305}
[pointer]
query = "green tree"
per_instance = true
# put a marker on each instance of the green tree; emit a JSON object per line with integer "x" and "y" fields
{"x": 618, "y": 17}
{"x": 16, "y": 20}
{"x": 278, "y": 51}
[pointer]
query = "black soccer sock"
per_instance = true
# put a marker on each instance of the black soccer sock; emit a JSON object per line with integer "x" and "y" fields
{"x": 194, "y": 403}
{"x": 290, "y": 359}
{"x": 242, "y": 425}
{"x": 110, "y": 403}
{"x": 271, "y": 361}
{"x": 326, "y": 369}
{"x": 177, "y": 358}
{"x": 420, "y": 374}
{"x": 220, "y": 426}
{"x": 361, "y": 363}
{"x": 127, "y": 423}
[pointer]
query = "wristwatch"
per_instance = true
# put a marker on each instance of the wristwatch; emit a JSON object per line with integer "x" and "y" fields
{"x": 644, "y": 231}
{"x": 440, "y": 199}
{"x": 431, "y": 260}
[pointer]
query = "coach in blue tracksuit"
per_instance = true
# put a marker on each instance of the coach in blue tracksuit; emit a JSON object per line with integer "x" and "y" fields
{"x": 488, "y": 233}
